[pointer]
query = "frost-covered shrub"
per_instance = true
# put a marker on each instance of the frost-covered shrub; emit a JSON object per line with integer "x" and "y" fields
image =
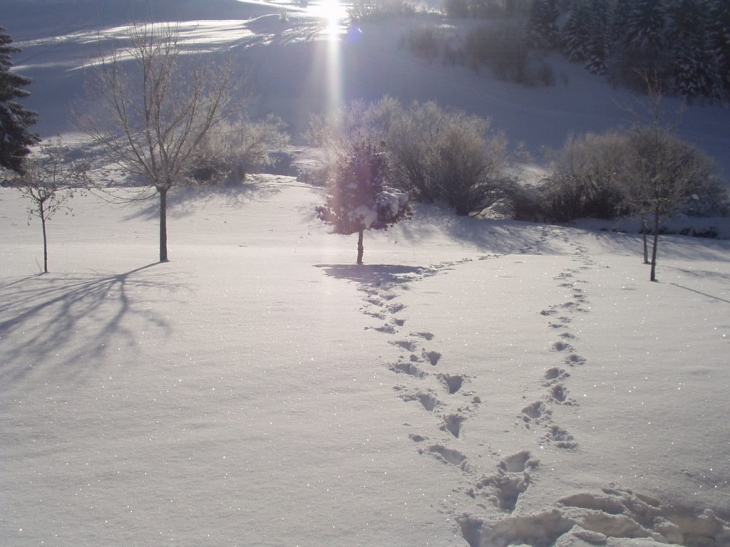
{"x": 585, "y": 179}
{"x": 525, "y": 202}
{"x": 235, "y": 149}
{"x": 375, "y": 10}
{"x": 619, "y": 172}
{"x": 469, "y": 163}
{"x": 445, "y": 155}
{"x": 433, "y": 154}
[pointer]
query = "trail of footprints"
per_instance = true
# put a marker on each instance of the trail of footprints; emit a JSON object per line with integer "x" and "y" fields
{"x": 443, "y": 394}
{"x": 584, "y": 518}
{"x": 447, "y": 397}
{"x": 560, "y": 316}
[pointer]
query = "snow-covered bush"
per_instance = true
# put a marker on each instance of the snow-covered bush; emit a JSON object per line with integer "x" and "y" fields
{"x": 359, "y": 198}
{"x": 234, "y": 149}
{"x": 432, "y": 154}
{"x": 375, "y": 10}
{"x": 469, "y": 163}
{"x": 585, "y": 177}
{"x": 604, "y": 176}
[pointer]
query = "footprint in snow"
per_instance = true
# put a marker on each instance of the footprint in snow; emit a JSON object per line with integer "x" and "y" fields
{"x": 503, "y": 490}
{"x": 517, "y": 463}
{"x": 408, "y": 368}
{"x": 559, "y": 393}
{"x": 535, "y": 411}
{"x": 555, "y": 373}
{"x": 427, "y": 400}
{"x": 447, "y": 455}
{"x": 432, "y": 356}
{"x": 452, "y": 382}
{"x": 560, "y": 438}
{"x": 452, "y": 424}
{"x": 562, "y": 346}
{"x": 575, "y": 359}
{"x": 407, "y": 345}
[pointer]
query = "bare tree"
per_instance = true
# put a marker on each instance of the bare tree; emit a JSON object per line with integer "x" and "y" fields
{"x": 49, "y": 180}
{"x": 662, "y": 173}
{"x": 151, "y": 106}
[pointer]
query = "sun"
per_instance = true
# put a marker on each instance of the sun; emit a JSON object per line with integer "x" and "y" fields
{"x": 334, "y": 14}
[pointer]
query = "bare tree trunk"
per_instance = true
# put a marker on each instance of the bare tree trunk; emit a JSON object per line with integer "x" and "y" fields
{"x": 644, "y": 233}
{"x": 42, "y": 214}
{"x": 163, "y": 224}
{"x": 360, "y": 248}
{"x": 656, "y": 243}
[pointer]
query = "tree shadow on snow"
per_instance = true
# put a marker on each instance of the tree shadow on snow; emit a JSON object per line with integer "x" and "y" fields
{"x": 373, "y": 274}
{"x": 493, "y": 236}
{"x": 73, "y": 321}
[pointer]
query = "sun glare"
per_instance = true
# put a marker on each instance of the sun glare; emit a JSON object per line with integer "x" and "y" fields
{"x": 334, "y": 15}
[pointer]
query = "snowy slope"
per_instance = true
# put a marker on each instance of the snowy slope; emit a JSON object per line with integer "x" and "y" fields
{"x": 296, "y": 70}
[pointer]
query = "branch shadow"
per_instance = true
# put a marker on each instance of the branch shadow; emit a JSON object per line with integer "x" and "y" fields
{"x": 72, "y": 320}
{"x": 710, "y": 296}
{"x": 183, "y": 201}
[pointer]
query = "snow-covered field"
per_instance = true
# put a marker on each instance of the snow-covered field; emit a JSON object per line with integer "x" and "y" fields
{"x": 481, "y": 383}
{"x": 486, "y": 379}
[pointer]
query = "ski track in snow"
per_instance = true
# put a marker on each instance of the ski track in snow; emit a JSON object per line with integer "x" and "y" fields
{"x": 604, "y": 518}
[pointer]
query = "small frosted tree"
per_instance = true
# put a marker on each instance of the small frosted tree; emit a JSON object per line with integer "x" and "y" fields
{"x": 358, "y": 197}
{"x": 49, "y": 181}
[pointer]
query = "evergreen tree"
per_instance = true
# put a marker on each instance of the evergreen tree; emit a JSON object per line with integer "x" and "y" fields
{"x": 15, "y": 138}
{"x": 690, "y": 61}
{"x": 585, "y": 35}
{"x": 598, "y": 40}
{"x": 575, "y": 34}
{"x": 719, "y": 41}
{"x": 542, "y": 26}
{"x": 618, "y": 15}
{"x": 358, "y": 198}
{"x": 638, "y": 53}
{"x": 645, "y": 26}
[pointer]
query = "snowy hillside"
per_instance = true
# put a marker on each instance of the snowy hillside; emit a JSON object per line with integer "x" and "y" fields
{"x": 297, "y": 69}
{"x": 480, "y": 383}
